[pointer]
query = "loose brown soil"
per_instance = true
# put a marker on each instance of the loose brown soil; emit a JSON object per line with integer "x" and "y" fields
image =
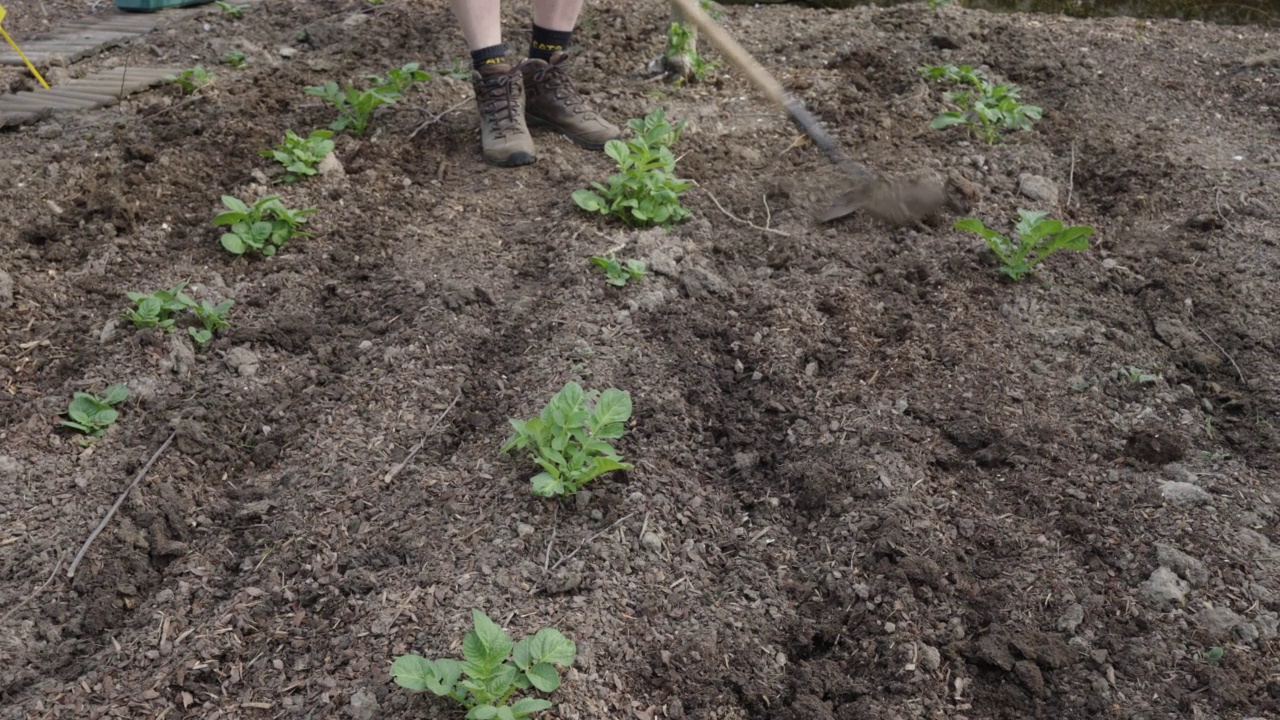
{"x": 886, "y": 482}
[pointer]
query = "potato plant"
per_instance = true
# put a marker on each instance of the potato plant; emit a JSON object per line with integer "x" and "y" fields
{"x": 263, "y": 227}
{"x": 645, "y": 191}
{"x": 300, "y": 156}
{"x": 1038, "y": 237}
{"x": 92, "y": 415}
{"x": 985, "y": 108}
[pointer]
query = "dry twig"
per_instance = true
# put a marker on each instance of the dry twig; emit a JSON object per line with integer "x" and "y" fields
{"x": 748, "y": 223}
{"x": 394, "y": 471}
{"x": 583, "y": 544}
{"x": 1225, "y": 354}
{"x": 71, "y": 571}
{"x": 433, "y": 120}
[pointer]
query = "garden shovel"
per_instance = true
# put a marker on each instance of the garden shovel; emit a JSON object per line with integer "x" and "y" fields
{"x": 897, "y": 202}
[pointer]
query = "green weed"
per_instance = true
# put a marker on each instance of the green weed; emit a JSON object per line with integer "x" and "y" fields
{"x": 400, "y": 80}
{"x": 191, "y": 79}
{"x": 494, "y": 669}
{"x": 645, "y": 191}
{"x": 234, "y": 58}
{"x": 233, "y": 11}
{"x": 619, "y": 274}
{"x": 1037, "y": 238}
{"x": 985, "y": 108}
{"x": 300, "y": 156}
{"x": 264, "y": 227}
{"x": 568, "y": 439}
{"x": 92, "y": 415}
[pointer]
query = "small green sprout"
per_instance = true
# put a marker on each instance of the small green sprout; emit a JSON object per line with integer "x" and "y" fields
{"x": 619, "y": 274}
{"x": 400, "y": 80}
{"x": 300, "y": 156}
{"x": 568, "y": 439}
{"x": 355, "y": 107}
{"x": 645, "y": 191}
{"x": 234, "y": 58}
{"x": 1137, "y": 377}
{"x": 233, "y": 11}
{"x": 191, "y": 79}
{"x": 495, "y": 669}
{"x": 682, "y": 51}
{"x": 460, "y": 70}
{"x": 986, "y": 108}
{"x": 264, "y": 227}
{"x": 157, "y": 308}
{"x": 92, "y": 415}
{"x": 1038, "y": 238}
{"x": 212, "y": 317}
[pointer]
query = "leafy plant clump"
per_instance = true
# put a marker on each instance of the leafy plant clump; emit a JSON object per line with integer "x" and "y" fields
{"x": 92, "y": 415}
{"x": 1038, "y": 237}
{"x": 300, "y": 156}
{"x": 191, "y": 79}
{"x": 495, "y": 669}
{"x": 234, "y": 58}
{"x": 619, "y": 274}
{"x": 356, "y": 107}
{"x": 264, "y": 227}
{"x": 212, "y": 319}
{"x": 157, "y": 309}
{"x": 682, "y": 52}
{"x": 985, "y": 107}
{"x": 568, "y": 439}
{"x": 233, "y": 11}
{"x": 645, "y": 191}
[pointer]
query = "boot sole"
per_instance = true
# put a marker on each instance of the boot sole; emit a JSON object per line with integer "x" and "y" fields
{"x": 514, "y": 160}
{"x": 577, "y": 139}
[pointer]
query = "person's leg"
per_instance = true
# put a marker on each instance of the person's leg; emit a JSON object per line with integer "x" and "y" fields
{"x": 499, "y": 86}
{"x": 552, "y": 99}
{"x": 553, "y": 25}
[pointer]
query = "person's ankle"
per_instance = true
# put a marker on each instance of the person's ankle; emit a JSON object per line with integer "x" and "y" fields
{"x": 546, "y": 43}
{"x": 492, "y": 55}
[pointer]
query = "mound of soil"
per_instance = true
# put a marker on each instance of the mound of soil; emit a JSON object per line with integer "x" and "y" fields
{"x": 873, "y": 477}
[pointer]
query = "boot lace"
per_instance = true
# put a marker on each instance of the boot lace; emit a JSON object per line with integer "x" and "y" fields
{"x": 552, "y": 77}
{"x": 499, "y": 101}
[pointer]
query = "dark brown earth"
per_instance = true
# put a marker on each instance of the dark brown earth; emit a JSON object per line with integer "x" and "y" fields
{"x": 886, "y": 482}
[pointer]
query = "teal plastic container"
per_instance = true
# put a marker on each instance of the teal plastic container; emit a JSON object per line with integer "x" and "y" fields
{"x": 154, "y": 5}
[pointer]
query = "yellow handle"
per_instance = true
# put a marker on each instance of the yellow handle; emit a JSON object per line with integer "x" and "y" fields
{"x": 18, "y": 50}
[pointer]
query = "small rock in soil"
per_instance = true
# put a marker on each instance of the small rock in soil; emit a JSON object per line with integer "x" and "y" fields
{"x": 108, "y": 331}
{"x": 1181, "y": 493}
{"x": 1038, "y": 187}
{"x": 181, "y": 356}
{"x": 524, "y": 529}
{"x": 993, "y": 650}
{"x": 1218, "y": 622}
{"x": 331, "y": 165}
{"x": 651, "y": 542}
{"x": 364, "y": 705}
{"x": 6, "y": 290}
{"x": 10, "y": 470}
{"x": 930, "y": 658}
{"x": 1190, "y": 569}
{"x": 243, "y": 360}
{"x": 702, "y": 283}
{"x": 1164, "y": 586}
{"x": 1071, "y": 619}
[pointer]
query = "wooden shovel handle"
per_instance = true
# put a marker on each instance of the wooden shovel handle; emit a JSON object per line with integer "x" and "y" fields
{"x": 755, "y": 72}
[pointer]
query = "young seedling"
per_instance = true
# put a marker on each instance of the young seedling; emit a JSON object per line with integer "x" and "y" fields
{"x": 233, "y": 11}
{"x": 264, "y": 227}
{"x": 985, "y": 108}
{"x": 494, "y": 669}
{"x": 212, "y": 318}
{"x": 399, "y": 81}
{"x": 191, "y": 79}
{"x": 234, "y": 58}
{"x": 92, "y": 415}
{"x": 682, "y": 57}
{"x": 619, "y": 274}
{"x": 300, "y": 155}
{"x": 645, "y": 191}
{"x": 1037, "y": 238}
{"x": 355, "y": 107}
{"x": 568, "y": 439}
{"x": 460, "y": 70}
{"x": 157, "y": 309}
{"x": 1136, "y": 376}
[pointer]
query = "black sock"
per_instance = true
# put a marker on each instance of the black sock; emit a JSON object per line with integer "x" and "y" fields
{"x": 548, "y": 42}
{"x": 488, "y": 56}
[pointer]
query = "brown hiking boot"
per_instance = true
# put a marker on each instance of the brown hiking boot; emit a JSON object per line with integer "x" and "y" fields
{"x": 551, "y": 100}
{"x": 500, "y": 99}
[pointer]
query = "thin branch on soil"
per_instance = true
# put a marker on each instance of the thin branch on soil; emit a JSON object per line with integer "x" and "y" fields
{"x": 194, "y": 97}
{"x": 393, "y": 472}
{"x": 1071, "y": 176}
{"x": 583, "y": 544}
{"x": 768, "y": 213}
{"x": 71, "y": 571}
{"x": 433, "y": 120}
{"x": 14, "y": 610}
{"x": 731, "y": 216}
{"x": 1225, "y": 354}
